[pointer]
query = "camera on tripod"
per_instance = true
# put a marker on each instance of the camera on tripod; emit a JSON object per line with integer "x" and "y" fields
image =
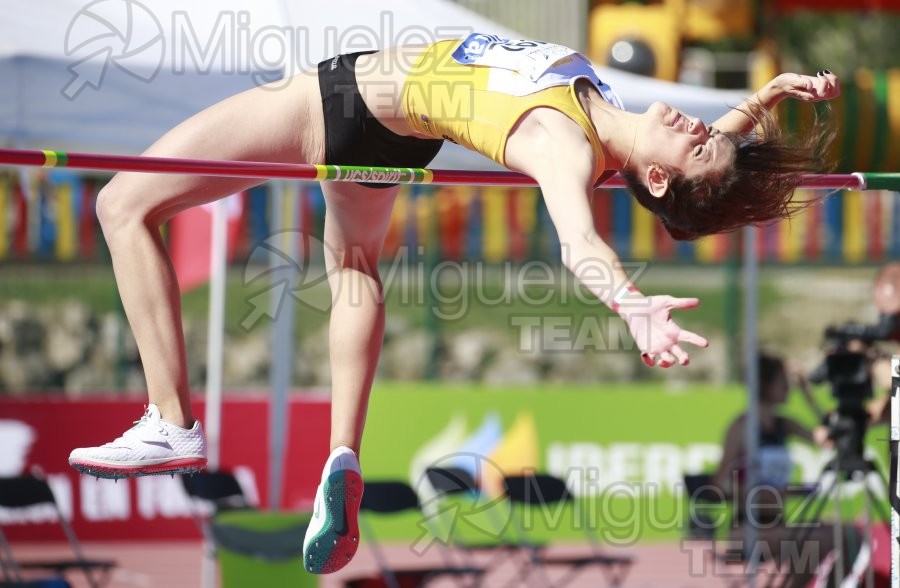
{"x": 847, "y": 369}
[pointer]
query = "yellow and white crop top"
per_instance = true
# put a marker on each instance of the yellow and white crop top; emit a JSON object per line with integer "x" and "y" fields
{"x": 474, "y": 91}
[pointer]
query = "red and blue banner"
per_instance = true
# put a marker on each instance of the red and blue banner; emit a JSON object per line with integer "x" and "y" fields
{"x": 39, "y": 432}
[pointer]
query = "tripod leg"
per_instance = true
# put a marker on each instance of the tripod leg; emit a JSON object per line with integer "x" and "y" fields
{"x": 873, "y": 480}
{"x": 867, "y": 532}
{"x": 861, "y": 565}
{"x": 877, "y": 489}
{"x": 825, "y": 485}
{"x": 893, "y": 487}
{"x": 838, "y": 532}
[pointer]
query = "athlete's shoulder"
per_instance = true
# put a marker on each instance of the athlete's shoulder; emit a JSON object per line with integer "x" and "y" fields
{"x": 547, "y": 139}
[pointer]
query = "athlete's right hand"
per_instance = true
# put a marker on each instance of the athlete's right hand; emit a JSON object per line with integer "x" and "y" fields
{"x": 658, "y": 336}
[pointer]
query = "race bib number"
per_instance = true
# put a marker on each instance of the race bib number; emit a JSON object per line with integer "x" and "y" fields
{"x": 529, "y": 58}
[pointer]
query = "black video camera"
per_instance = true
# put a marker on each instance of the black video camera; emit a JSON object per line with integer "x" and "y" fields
{"x": 886, "y": 329}
{"x": 846, "y": 370}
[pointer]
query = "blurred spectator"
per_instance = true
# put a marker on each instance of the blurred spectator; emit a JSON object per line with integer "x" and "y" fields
{"x": 886, "y": 296}
{"x": 774, "y": 460}
{"x": 775, "y": 468}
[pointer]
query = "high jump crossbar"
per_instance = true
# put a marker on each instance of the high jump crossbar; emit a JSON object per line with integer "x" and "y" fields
{"x": 347, "y": 173}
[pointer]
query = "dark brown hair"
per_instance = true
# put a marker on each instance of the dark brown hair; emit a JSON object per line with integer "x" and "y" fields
{"x": 771, "y": 368}
{"x": 756, "y": 189}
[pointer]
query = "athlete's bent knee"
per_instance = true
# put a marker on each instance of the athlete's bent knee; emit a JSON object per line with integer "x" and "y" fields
{"x": 116, "y": 211}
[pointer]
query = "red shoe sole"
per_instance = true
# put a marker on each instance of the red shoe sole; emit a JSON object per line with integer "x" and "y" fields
{"x": 104, "y": 470}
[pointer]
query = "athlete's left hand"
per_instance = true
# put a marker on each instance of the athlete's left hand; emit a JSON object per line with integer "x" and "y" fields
{"x": 822, "y": 86}
{"x": 656, "y": 334}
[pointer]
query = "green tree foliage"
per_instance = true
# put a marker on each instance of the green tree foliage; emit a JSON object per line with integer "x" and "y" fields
{"x": 839, "y": 41}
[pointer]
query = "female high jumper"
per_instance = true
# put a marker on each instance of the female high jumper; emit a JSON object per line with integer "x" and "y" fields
{"x": 536, "y": 108}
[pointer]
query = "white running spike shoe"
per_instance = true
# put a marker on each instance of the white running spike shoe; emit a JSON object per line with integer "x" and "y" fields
{"x": 333, "y": 533}
{"x": 151, "y": 446}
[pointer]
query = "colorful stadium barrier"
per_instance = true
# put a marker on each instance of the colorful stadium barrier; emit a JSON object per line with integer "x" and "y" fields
{"x": 50, "y": 216}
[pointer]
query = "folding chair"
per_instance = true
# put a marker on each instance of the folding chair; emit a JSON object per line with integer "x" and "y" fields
{"x": 23, "y": 492}
{"x": 458, "y": 483}
{"x": 218, "y": 491}
{"x": 451, "y": 483}
{"x": 541, "y": 490}
{"x": 261, "y": 548}
{"x": 211, "y": 493}
{"x": 388, "y": 497}
{"x": 704, "y": 497}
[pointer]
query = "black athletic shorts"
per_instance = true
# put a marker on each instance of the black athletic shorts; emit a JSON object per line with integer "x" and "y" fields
{"x": 353, "y": 136}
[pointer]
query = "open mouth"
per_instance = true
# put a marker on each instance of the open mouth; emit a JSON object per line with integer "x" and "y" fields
{"x": 675, "y": 120}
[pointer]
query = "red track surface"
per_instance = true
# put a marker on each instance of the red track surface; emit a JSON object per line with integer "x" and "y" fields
{"x": 178, "y": 565}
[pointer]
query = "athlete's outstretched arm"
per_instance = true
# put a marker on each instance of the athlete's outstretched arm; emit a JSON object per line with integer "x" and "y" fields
{"x": 823, "y": 86}
{"x": 563, "y": 167}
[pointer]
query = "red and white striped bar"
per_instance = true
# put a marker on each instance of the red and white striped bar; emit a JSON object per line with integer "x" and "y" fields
{"x": 336, "y": 173}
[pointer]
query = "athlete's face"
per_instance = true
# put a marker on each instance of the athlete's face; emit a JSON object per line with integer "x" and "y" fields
{"x": 684, "y": 145}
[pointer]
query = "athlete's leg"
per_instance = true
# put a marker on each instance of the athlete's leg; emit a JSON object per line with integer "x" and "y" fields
{"x": 269, "y": 124}
{"x": 356, "y": 221}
